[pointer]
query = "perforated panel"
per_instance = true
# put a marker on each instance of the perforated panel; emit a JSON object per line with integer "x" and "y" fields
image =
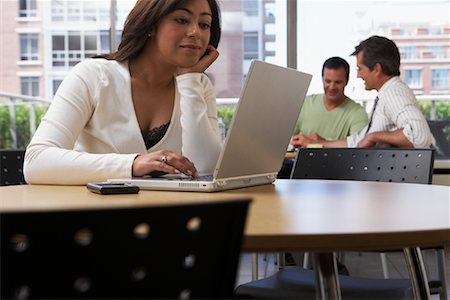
{"x": 11, "y": 162}
{"x": 386, "y": 164}
{"x": 188, "y": 251}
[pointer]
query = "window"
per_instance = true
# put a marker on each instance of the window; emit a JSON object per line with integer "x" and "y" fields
{"x": 250, "y": 7}
{"x": 29, "y": 50}
{"x": 90, "y": 44}
{"x": 57, "y": 11}
{"x": 74, "y": 11}
{"x": 251, "y": 43}
{"x": 58, "y": 53}
{"x": 436, "y": 51}
{"x": 29, "y": 86}
{"x": 408, "y": 52}
{"x": 413, "y": 78}
{"x": 74, "y": 46}
{"x": 56, "y": 84}
{"x": 439, "y": 78}
{"x": 27, "y": 8}
{"x": 74, "y": 53}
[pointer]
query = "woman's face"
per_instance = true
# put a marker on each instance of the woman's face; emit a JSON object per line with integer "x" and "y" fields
{"x": 182, "y": 36}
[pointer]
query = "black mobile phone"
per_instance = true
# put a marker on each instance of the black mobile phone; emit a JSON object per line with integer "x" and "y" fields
{"x": 110, "y": 188}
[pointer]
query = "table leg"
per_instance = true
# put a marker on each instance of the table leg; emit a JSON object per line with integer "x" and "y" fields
{"x": 417, "y": 273}
{"x": 327, "y": 279}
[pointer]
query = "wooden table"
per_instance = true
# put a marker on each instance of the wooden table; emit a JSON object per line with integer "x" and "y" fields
{"x": 319, "y": 216}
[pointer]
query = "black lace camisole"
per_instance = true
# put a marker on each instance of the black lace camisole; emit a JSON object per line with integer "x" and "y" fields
{"x": 154, "y": 135}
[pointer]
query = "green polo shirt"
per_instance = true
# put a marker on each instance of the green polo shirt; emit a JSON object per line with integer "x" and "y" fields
{"x": 344, "y": 120}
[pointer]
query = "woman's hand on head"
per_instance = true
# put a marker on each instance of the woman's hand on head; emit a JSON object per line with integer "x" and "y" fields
{"x": 163, "y": 161}
{"x": 203, "y": 64}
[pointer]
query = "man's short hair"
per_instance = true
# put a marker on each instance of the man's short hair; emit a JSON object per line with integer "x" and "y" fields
{"x": 336, "y": 63}
{"x": 380, "y": 50}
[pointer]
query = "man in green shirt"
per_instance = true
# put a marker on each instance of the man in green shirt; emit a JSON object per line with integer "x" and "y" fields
{"x": 331, "y": 115}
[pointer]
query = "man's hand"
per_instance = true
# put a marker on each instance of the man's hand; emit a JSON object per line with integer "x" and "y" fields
{"x": 367, "y": 142}
{"x": 301, "y": 140}
{"x": 394, "y": 138}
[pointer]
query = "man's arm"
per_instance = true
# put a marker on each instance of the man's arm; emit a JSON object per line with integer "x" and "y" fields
{"x": 395, "y": 138}
{"x": 304, "y": 141}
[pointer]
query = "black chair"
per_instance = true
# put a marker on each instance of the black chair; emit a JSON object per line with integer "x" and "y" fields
{"x": 11, "y": 162}
{"x": 363, "y": 164}
{"x": 441, "y": 133}
{"x": 181, "y": 251}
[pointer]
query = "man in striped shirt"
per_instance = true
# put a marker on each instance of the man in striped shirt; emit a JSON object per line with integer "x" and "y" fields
{"x": 396, "y": 119}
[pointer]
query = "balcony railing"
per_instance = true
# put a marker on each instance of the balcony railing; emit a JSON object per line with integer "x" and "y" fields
{"x": 20, "y": 115}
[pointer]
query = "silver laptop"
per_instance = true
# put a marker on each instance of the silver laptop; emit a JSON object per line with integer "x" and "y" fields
{"x": 259, "y": 134}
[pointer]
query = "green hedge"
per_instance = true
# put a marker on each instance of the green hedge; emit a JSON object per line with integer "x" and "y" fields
{"x": 22, "y": 111}
{"x": 22, "y": 122}
{"x": 226, "y": 113}
{"x": 442, "y": 109}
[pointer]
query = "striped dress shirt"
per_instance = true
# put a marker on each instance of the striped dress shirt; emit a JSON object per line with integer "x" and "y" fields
{"x": 397, "y": 108}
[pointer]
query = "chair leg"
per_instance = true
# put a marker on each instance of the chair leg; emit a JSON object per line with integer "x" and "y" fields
{"x": 280, "y": 260}
{"x": 254, "y": 266}
{"x": 440, "y": 261}
{"x": 267, "y": 261}
{"x": 306, "y": 260}
{"x": 384, "y": 265}
{"x": 326, "y": 276}
{"x": 416, "y": 269}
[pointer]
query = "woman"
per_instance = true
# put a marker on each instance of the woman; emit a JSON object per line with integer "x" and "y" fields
{"x": 144, "y": 109}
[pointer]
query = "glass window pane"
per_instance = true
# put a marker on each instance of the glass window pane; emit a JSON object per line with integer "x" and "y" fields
{"x": 29, "y": 86}
{"x": 251, "y": 42}
{"x": 56, "y": 84}
{"x": 29, "y": 49}
{"x": 413, "y": 78}
{"x": 74, "y": 42}
{"x": 439, "y": 78}
{"x": 104, "y": 41}
{"x": 58, "y": 42}
{"x": 250, "y": 7}
{"x": 90, "y": 42}
{"x": 23, "y": 4}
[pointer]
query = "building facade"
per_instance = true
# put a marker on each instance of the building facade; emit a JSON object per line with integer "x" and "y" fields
{"x": 425, "y": 57}
{"x": 41, "y": 40}
{"x": 22, "y": 47}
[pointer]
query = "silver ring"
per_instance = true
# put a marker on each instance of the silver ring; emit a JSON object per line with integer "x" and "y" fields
{"x": 164, "y": 159}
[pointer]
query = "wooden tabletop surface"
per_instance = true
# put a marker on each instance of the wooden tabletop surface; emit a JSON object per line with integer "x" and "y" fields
{"x": 290, "y": 215}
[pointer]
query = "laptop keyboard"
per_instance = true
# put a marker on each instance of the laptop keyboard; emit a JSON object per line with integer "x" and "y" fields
{"x": 200, "y": 178}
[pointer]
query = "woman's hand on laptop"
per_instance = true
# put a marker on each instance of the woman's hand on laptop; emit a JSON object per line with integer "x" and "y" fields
{"x": 163, "y": 161}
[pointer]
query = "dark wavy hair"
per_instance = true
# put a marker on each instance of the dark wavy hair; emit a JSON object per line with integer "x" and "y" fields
{"x": 335, "y": 63}
{"x": 380, "y": 50}
{"x": 145, "y": 17}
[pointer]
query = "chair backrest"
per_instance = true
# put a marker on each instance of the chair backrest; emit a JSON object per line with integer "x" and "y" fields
{"x": 441, "y": 133}
{"x": 11, "y": 162}
{"x": 365, "y": 164}
{"x": 177, "y": 252}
